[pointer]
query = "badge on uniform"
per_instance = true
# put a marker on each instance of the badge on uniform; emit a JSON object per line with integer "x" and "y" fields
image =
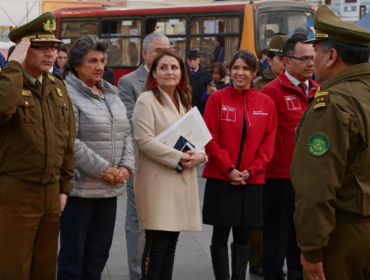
{"x": 59, "y": 92}
{"x": 318, "y": 144}
{"x": 51, "y": 77}
{"x": 27, "y": 93}
{"x": 321, "y": 99}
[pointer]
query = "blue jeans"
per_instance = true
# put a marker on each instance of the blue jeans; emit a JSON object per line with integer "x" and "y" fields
{"x": 86, "y": 234}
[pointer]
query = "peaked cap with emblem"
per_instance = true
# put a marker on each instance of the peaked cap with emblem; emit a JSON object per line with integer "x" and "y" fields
{"x": 40, "y": 30}
{"x": 277, "y": 43}
{"x": 329, "y": 26}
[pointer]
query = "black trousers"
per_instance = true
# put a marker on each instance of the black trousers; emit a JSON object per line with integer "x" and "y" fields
{"x": 159, "y": 254}
{"x": 279, "y": 235}
{"x": 86, "y": 234}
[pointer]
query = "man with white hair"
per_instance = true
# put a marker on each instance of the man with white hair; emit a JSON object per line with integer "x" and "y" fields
{"x": 130, "y": 87}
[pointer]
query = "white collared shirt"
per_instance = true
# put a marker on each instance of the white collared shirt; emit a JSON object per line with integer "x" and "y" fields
{"x": 296, "y": 82}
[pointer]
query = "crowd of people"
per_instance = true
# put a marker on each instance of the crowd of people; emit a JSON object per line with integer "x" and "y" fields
{"x": 286, "y": 168}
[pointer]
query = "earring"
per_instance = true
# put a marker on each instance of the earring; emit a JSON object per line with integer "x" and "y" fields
{"x": 154, "y": 83}
{"x": 180, "y": 85}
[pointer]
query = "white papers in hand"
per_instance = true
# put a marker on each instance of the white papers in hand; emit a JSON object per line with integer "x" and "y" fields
{"x": 191, "y": 126}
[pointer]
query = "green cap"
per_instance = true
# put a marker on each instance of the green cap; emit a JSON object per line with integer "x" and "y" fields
{"x": 329, "y": 26}
{"x": 277, "y": 43}
{"x": 40, "y": 30}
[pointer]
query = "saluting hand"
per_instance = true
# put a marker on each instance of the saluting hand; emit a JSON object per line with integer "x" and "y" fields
{"x": 20, "y": 51}
{"x": 314, "y": 271}
{"x": 237, "y": 178}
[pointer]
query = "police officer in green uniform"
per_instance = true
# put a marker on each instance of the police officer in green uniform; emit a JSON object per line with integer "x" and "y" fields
{"x": 274, "y": 59}
{"x": 37, "y": 127}
{"x": 331, "y": 165}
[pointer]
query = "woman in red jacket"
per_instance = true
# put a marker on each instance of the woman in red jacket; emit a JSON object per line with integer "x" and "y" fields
{"x": 243, "y": 126}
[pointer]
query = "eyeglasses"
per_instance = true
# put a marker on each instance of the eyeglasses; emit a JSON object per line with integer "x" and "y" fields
{"x": 304, "y": 59}
{"x": 54, "y": 49}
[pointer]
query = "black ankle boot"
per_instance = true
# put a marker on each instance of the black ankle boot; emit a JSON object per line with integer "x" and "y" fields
{"x": 239, "y": 261}
{"x": 220, "y": 262}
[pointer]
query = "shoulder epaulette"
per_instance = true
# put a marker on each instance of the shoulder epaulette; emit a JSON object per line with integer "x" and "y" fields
{"x": 321, "y": 99}
{"x": 53, "y": 76}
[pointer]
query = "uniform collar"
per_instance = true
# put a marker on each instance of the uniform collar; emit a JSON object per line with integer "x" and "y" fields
{"x": 31, "y": 78}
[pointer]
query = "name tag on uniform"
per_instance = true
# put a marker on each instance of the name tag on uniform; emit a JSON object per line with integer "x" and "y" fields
{"x": 27, "y": 93}
{"x": 59, "y": 92}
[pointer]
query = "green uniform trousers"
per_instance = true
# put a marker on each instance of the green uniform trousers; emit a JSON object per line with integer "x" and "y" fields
{"x": 347, "y": 256}
{"x": 29, "y": 226}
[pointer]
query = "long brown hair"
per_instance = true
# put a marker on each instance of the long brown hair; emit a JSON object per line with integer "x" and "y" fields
{"x": 185, "y": 93}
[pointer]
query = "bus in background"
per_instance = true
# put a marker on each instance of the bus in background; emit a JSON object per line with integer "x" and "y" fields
{"x": 235, "y": 25}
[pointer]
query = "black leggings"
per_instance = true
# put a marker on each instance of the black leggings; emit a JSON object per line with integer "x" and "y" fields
{"x": 159, "y": 254}
{"x": 221, "y": 236}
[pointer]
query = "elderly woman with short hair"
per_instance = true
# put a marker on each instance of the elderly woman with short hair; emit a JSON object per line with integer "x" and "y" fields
{"x": 104, "y": 162}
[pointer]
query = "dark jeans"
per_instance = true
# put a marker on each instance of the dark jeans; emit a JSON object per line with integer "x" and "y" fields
{"x": 86, "y": 233}
{"x": 279, "y": 235}
{"x": 159, "y": 254}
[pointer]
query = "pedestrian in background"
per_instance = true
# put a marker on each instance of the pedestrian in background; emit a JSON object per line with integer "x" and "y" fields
{"x": 36, "y": 157}
{"x": 290, "y": 92}
{"x": 104, "y": 162}
{"x": 219, "y": 51}
{"x": 60, "y": 61}
{"x": 199, "y": 78}
{"x": 242, "y": 123}
{"x": 220, "y": 78}
{"x": 130, "y": 87}
{"x": 167, "y": 202}
{"x": 275, "y": 61}
{"x": 330, "y": 167}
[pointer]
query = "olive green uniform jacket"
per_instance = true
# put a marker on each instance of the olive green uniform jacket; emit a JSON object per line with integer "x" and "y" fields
{"x": 331, "y": 164}
{"x": 37, "y": 129}
{"x": 262, "y": 80}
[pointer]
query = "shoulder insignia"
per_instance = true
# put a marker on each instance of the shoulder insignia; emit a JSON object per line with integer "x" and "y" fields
{"x": 321, "y": 99}
{"x": 318, "y": 144}
{"x": 27, "y": 93}
{"x": 51, "y": 77}
{"x": 59, "y": 92}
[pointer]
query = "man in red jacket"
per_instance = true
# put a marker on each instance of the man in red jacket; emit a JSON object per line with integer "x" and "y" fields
{"x": 291, "y": 92}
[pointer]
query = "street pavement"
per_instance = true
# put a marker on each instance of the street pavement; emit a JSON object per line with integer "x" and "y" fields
{"x": 192, "y": 260}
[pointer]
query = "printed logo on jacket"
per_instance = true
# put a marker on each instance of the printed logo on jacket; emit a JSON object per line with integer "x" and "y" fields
{"x": 228, "y": 113}
{"x": 292, "y": 102}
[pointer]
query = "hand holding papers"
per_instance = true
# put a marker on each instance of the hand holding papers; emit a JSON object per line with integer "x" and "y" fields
{"x": 188, "y": 133}
{"x": 191, "y": 126}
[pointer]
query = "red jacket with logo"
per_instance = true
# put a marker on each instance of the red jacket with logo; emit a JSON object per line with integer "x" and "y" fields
{"x": 290, "y": 103}
{"x": 224, "y": 118}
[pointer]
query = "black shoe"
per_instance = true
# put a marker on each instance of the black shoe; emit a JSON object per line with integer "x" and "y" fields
{"x": 257, "y": 270}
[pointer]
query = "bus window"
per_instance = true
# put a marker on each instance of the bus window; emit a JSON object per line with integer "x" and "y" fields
{"x": 123, "y": 51}
{"x": 285, "y": 22}
{"x": 76, "y": 29}
{"x": 123, "y": 37}
{"x": 118, "y": 28}
{"x": 168, "y": 27}
{"x": 227, "y": 29}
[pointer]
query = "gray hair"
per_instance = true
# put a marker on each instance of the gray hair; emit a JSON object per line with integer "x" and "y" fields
{"x": 148, "y": 40}
{"x": 80, "y": 48}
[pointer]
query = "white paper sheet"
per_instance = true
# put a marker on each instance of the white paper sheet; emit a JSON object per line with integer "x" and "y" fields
{"x": 191, "y": 126}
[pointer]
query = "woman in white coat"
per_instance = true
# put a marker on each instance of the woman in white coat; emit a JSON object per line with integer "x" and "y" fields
{"x": 167, "y": 202}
